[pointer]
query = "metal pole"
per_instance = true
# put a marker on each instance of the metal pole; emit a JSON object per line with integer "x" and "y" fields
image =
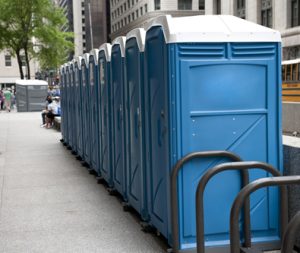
{"x": 290, "y": 234}
{"x": 200, "y": 197}
{"x": 174, "y": 188}
{"x": 244, "y": 194}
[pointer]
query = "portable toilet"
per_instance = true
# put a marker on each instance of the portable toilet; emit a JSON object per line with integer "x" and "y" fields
{"x": 62, "y": 79}
{"x": 94, "y": 112}
{"x": 71, "y": 114}
{"x": 211, "y": 87}
{"x": 86, "y": 109}
{"x": 119, "y": 125}
{"x": 78, "y": 106}
{"x": 105, "y": 109}
{"x": 31, "y": 95}
{"x": 136, "y": 173}
{"x": 65, "y": 118}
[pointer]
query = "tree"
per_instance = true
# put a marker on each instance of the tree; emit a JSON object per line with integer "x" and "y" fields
{"x": 33, "y": 28}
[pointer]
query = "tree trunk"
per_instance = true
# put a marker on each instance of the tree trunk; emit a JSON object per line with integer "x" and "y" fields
{"x": 27, "y": 63}
{"x": 20, "y": 64}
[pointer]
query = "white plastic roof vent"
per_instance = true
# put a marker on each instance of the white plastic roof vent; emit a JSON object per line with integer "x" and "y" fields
{"x": 106, "y": 47}
{"x": 140, "y": 35}
{"x": 121, "y": 40}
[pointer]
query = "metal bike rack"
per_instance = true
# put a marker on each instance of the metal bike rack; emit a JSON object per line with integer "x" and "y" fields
{"x": 243, "y": 166}
{"x": 244, "y": 194}
{"x": 290, "y": 234}
{"x": 174, "y": 188}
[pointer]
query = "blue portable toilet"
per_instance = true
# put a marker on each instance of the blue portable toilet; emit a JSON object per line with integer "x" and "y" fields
{"x": 105, "y": 109}
{"x": 62, "y": 99}
{"x": 118, "y": 112}
{"x": 212, "y": 83}
{"x": 71, "y": 114}
{"x": 94, "y": 112}
{"x": 78, "y": 106}
{"x": 66, "y": 116}
{"x": 86, "y": 109}
{"x": 136, "y": 174}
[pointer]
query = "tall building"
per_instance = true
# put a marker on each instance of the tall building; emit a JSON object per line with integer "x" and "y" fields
{"x": 87, "y": 19}
{"x": 128, "y": 14}
{"x": 283, "y": 15}
{"x": 96, "y": 25}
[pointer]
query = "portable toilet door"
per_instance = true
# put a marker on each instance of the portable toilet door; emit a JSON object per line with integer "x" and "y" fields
{"x": 136, "y": 173}
{"x": 105, "y": 109}
{"x": 78, "y": 106}
{"x": 94, "y": 104}
{"x": 62, "y": 99}
{"x": 86, "y": 109}
{"x": 67, "y": 112}
{"x": 72, "y": 115}
{"x": 213, "y": 87}
{"x": 118, "y": 92}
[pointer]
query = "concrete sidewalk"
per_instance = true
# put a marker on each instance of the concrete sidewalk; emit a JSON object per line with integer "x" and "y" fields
{"x": 49, "y": 202}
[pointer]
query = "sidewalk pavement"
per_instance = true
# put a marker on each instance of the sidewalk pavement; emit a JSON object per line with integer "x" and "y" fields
{"x": 49, "y": 202}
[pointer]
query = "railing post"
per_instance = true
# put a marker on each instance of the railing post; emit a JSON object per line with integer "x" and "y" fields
{"x": 244, "y": 194}
{"x": 290, "y": 234}
{"x": 174, "y": 188}
{"x": 200, "y": 196}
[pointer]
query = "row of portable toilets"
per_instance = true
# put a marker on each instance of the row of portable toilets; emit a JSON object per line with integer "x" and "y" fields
{"x": 135, "y": 111}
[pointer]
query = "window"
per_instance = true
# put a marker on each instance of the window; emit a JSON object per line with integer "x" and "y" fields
{"x": 141, "y": 11}
{"x": 217, "y": 7}
{"x": 146, "y": 8}
{"x": 240, "y": 9}
{"x": 201, "y": 4}
{"x": 295, "y": 13}
{"x": 283, "y": 72}
{"x": 125, "y": 7}
{"x": 132, "y": 2}
{"x": 294, "y": 72}
{"x": 266, "y": 13}
{"x": 184, "y": 4}
{"x": 156, "y": 4}
{"x": 132, "y": 16}
{"x": 7, "y": 60}
{"x": 128, "y": 3}
{"x": 137, "y": 13}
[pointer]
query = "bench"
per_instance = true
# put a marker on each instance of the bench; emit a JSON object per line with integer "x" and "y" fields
{"x": 57, "y": 122}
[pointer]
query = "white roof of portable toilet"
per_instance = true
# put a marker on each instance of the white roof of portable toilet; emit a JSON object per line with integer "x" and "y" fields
{"x": 121, "y": 40}
{"x": 213, "y": 28}
{"x": 31, "y": 82}
{"x": 95, "y": 53}
{"x": 106, "y": 47}
{"x": 140, "y": 35}
{"x": 78, "y": 61}
{"x": 86, "y": 57}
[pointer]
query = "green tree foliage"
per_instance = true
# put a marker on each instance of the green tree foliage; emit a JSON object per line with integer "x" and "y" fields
{"x": 33, "y": 28}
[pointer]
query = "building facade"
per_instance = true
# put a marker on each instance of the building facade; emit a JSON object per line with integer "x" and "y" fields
{"x": 88, "y": 20}
{"x": 283, "y": 15}
{"x": 126, "y": 15}
{"x": 9, "y": 69}
{"x": 96, "y": 23}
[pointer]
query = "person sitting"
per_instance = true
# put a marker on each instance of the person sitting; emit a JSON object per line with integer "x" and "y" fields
{"x": 52, "y": 111}
{"x": 45, "y": 111}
